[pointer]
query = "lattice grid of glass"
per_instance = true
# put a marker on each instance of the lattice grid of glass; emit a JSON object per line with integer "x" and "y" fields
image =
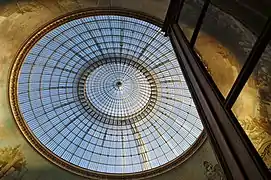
{"x": 106, "y": 93}
{"x": 118, "y": 89}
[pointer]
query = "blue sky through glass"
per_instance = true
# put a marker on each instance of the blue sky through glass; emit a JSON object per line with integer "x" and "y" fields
{"x": 106, "y": 93}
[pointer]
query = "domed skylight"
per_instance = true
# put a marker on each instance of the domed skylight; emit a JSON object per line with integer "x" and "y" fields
{"x": 105, "y": 93}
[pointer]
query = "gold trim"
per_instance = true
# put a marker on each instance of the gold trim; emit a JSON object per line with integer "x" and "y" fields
{"x": 25, "y": 130}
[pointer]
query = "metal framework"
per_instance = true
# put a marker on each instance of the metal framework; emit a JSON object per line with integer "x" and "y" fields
{"x": 66, "y": 92}
{"x": 237, "y": 155}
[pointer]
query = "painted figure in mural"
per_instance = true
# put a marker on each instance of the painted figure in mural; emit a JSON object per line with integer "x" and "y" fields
{"x": 12, "y": 161}
{"x": 36, "y": 5}
{"x": 213, "y": 172}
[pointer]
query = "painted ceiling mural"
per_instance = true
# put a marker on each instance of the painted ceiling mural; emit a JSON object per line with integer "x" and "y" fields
{"x": 18, "y": 161}
{"x": 213, "y": 172}
{"x": 18, "y": 20}
{"x": 230, "y": 44}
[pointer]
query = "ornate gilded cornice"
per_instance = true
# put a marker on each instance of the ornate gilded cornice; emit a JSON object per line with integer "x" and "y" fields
{"x": 46, "y": 153}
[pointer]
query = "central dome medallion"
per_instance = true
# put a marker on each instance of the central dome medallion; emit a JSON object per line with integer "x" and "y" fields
{"x": 101, "y": 94}
{"x": 119, "y": 88}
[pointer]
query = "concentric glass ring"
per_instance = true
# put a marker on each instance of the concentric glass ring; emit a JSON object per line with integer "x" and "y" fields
{"x": 118, "y": 89}
{"x": 106, "y": 93}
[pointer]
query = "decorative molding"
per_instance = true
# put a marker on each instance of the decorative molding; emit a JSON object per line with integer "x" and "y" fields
{"x": 46, "y": 153}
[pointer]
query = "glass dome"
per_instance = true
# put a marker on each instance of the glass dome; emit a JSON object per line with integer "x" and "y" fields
{"x": 106, "y": 93}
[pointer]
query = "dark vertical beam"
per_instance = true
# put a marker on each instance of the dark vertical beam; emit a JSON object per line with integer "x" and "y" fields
{"x": 249, "y": 65}
{"x": 234, "y": 150}
{"x": 173, "y": 13}
{"x": 199, "y": 23}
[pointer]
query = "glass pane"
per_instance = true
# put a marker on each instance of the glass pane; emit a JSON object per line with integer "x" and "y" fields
{"x": 106, "y": 93}
{"x": 250, "y": 12}
{"x": 253, "y": 107}
{"x": 189, "y": 16}
{"x": 223, "y": 45}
